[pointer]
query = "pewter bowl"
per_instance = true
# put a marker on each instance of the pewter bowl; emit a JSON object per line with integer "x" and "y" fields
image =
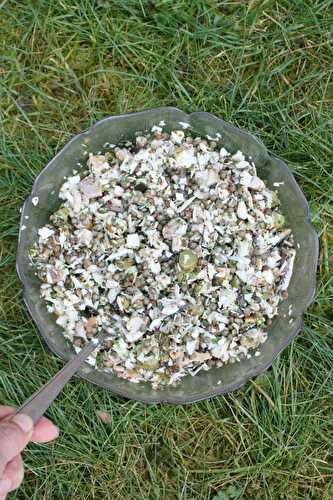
{"x": 271, "y": 169}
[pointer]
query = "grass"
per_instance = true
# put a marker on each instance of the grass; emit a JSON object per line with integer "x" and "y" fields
{"x": 264, "y": 65}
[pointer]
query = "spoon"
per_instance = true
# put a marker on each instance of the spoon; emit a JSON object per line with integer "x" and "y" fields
{"x": 39, "y": 402}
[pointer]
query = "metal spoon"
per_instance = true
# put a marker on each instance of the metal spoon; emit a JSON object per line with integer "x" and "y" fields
{"x": 39, "y": 402}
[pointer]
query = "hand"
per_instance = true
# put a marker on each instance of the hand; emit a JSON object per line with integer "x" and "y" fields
{"x": 15, "y": 433}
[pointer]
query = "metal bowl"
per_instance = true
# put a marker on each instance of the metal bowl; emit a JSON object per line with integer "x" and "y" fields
{"x": 277, "y": 176}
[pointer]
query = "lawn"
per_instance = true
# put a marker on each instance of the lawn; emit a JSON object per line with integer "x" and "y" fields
{"x": 263, "y": 65}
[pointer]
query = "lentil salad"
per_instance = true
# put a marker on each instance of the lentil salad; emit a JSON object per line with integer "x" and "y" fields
{"x": 175, "y": 247}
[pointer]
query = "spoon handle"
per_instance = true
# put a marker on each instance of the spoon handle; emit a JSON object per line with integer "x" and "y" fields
{"x": 39, "y": 402}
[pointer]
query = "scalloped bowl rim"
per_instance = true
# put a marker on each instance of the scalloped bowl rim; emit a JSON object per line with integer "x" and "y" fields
{"x": 223, "y": 389}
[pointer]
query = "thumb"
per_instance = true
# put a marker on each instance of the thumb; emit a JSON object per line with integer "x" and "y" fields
{"x": 14, "y": 436}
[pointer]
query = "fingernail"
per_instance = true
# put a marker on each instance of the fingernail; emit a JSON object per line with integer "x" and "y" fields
{"x": 56, "y": 432}
{"x": 5, "y": 485}
{"x": 24, "y": 422}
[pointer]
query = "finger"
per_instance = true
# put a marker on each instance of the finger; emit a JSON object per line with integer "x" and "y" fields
{"x": 5, "y": 485}
{"x": 44, "y": 431}
{"x": 5, "y": 411}
{"x": 14, "y": 471}
{"x": 14, "y": 436}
